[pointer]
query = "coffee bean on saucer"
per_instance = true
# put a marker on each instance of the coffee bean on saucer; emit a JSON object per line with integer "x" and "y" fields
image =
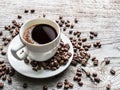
{"x": 25, "y": 85}
{"x": 33, "y": 63}
{"x": 26, "y": 61}
{"x": 26, "y": 11}
{"x": 59, "y": 84}
{"x": 45, "y": 87}
{"x": 35, "y": 69}
{"x": 32, "y": 10}
{"x": 1, "y": 85}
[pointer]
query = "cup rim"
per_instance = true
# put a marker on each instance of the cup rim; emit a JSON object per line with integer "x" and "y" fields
{"x": 58, "y": 35}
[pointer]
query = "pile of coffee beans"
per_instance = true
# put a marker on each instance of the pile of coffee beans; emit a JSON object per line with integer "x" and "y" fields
{"x": 60, "y": 58}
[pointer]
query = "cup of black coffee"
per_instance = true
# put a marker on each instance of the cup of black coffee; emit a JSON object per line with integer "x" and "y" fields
{"x": 40, "y": 37}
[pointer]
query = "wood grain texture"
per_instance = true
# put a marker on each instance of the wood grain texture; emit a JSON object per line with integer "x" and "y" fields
{"x": 102, "y": 16}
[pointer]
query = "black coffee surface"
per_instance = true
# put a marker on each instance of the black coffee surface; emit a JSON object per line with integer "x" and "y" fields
{"x": 43, "y": 33}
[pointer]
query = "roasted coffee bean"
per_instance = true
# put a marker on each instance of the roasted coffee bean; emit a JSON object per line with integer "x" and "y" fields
{"x": 1, "y": 85}
{"x": 60, "y": 24}
{"x": 5, "y": 27}
{"x": 75, "y": 78}
{"x": 32, "y": 10}
{"x": 70, "y": 32}
{"x": 33, "y": 63}
{"x": 26, "y": 61}
{"x": 79, "y": 70}
{"x": 107, "y": 62}
{"x": 1, "y": 74}
{"x": 112, "y": 72}
{"x": 88, "y": 74}
{"x": 35, "y": 69}
{"x": 6, "y": 43}
{"x": 25, "y": 85}
{"x": 66, "y": 86}
{"x": 4, "y": 38}
{"x": 84, "y": 63}
{"x": 95, "y": 62}
{"x": 95, "y": 34}
{"x": 71, "y": 85}
{"x": 26, "y": 11}
{"x": 57, "y": 21}
{"x": 1, "y": 61}
{"x": 4, "y": 77}
{"x": 94, "y": 74}
{"x": 76, "y": 21}
{"x": 1, "y": 33}
{"x": 84, "y": 39}
{"x": 74, "y": 63}
{"x": 60, "y": 17}
{"x": 93, "y": 58}
{"x": 9, "y": 79}
{"x": 3, "y": 52}
{"x": 79, "y": 74}
{"x": 108, "y": 87}
{"x": 59, "y": 84}
{"x": 80, "y": 83}
{"x": 96, "y": 79}
{"x": 19, "y": 16}
{"x": 91, "y": 36}
{"x": 62, "y": 21}
{"x": 66, "y": 81}
{"x": 45, "y": 87}
{"x": 64, "y": 29}
{"x": 67, "y": 25}
{"x": 71, "y": 26}
{"x": 44, "y": 15}
{"x": 95, "y": 45}
{"x": 7, "y": 70}
{"x": 11, "y": 71}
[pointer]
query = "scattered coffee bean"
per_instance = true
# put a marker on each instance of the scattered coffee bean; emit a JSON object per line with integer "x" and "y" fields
{"x": 70, "y": 32}
{"x": 4, "y": 77}
{"x": 1, "y": 33}
{"x": 71, "y": 26}
{"x": 59, "y": 84}
{"x": 96, "y": 79}
{"x": 60, "y": 17}
{"x": 32, "y": 10}
{"x": 71, "y": 85}
{"x": 19, "y": 16}
{"x": 108, "y": 87}
{"x": 79, "y": 74}
{"x": 112, "y": 72}
{"x": 44, "y": 15}
{"x": 11, "y": 71}
{"x": 107, "y": 62}
{"x": 64, "y": 29}
{"x": 1, "y": 85}
{"x": 25, "y": 85}
{"x": 45, "y": 87}
{"x": 3, "y": 52}
{"x": 91, "y": 36}
{"x": 80, "y": 83}
{"x": 75, "y": 78}
{"x": 95, "y": 62}
{"x": 66, "y": 86}
{"x": 93, "y": 58}
{"x": 26, "y": 11}
{"x": 84, "y": 39}
{"x": 94, "y": 74}
{"x": 76, "y": 21}
{"x": 9, "y": 79}
{"x": 88, "y": 74}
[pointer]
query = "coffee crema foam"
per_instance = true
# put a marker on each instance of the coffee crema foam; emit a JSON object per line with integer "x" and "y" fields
{"x": 27, "y": 35}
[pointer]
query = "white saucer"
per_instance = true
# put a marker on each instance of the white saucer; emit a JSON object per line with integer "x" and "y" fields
{"x": 26, "y": 70}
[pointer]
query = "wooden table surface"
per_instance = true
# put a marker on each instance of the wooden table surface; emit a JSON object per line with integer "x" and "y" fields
{"x": 101, "y": 16}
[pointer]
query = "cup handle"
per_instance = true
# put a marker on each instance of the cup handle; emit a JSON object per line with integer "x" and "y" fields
{"x": 19, "y": 45}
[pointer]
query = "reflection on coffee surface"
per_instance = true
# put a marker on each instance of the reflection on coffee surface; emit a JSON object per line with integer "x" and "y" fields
{"x": 40, "y": 33}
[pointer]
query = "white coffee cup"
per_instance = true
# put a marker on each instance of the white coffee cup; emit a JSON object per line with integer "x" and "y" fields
{"x": 38, "y": 52}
